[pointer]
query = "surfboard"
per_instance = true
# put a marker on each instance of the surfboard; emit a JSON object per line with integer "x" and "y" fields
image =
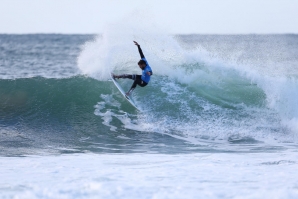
{"x": 128, "y": 98}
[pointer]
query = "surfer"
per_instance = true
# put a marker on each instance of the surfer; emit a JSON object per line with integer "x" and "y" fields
{"x": 141, "y": 80}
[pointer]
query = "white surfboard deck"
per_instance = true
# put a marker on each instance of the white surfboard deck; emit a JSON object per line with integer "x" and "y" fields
{"x": 128, "y": 98}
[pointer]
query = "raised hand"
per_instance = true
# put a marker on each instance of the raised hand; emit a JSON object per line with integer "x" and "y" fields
{"x": 136, "y": 43}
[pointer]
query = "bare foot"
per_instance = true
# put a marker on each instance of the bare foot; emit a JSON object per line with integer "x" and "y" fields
{"x": 116, "y": 76}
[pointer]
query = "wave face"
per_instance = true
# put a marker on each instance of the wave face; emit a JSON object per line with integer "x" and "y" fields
{"x": 208, "y": 93}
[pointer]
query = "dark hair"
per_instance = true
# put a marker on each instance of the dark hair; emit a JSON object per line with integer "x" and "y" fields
{"x": 141, "y": 62}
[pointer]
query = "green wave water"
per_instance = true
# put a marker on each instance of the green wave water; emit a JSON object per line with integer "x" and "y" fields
{"x": 195, "y": 102}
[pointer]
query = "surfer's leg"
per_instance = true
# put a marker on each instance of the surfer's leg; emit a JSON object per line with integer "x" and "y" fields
{"x": 133, "y": 77}
{"x": 133, "y": 86}
{"x": 138, "y": 81}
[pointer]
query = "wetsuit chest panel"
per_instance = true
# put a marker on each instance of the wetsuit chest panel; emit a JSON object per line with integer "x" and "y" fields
{"x": 145, "y": 76}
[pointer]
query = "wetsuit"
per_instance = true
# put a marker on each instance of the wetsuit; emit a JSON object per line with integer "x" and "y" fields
{"x": 141, "y": 80}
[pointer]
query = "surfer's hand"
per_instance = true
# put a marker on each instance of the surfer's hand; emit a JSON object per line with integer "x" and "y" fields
{"x": 136, "y": 43}
{"x": 148, "y": 73}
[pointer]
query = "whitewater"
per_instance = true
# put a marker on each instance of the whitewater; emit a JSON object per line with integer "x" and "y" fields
{"x": 219, "y": 118}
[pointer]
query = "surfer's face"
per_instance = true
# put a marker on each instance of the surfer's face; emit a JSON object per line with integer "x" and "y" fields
{"x": 142, "y": 66}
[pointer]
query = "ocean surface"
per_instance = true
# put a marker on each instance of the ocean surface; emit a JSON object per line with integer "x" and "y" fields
{"x": 219, "y": 118}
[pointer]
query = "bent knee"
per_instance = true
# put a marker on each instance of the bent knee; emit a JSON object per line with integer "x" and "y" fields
{"x": 143, "y": 84}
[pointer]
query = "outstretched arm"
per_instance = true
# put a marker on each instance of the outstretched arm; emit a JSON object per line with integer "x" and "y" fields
{"x": 140, "y": 50}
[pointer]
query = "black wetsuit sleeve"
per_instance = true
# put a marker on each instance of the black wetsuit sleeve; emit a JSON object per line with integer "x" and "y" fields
{"x": 141, "y": 52}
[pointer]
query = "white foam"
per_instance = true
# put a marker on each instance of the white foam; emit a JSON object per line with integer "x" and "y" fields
{"x": 106, "y": 113}
{"x": 222, "y": 175}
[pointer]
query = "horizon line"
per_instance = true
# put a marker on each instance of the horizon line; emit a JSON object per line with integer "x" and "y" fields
{"x": 57, "y": 33}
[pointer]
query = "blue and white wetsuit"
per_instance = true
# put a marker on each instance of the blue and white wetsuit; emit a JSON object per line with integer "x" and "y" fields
{"x": 141, "y": 80}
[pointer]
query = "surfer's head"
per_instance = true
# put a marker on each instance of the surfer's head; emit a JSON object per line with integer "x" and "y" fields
{"x": 142, "y": 64}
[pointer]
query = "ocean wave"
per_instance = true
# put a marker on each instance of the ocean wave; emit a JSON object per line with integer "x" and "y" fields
{"x": 193, "y": 97}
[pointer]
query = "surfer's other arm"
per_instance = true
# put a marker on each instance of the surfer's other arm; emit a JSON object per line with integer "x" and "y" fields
{"x": 140, "y": 50}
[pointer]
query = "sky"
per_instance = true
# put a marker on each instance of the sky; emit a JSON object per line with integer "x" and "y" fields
{"x": 177, "y": 16}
